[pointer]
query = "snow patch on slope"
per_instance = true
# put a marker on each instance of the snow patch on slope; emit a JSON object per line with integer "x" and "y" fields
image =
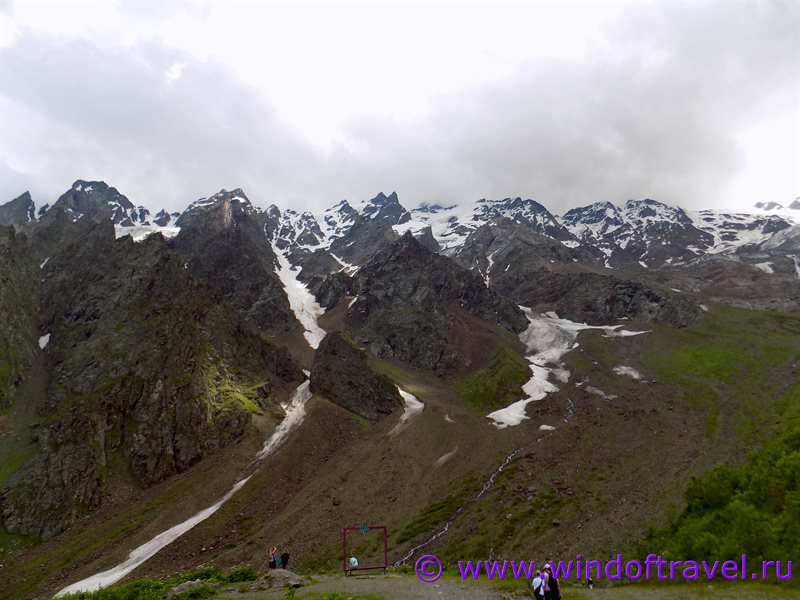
{"x": 627, "y": 371}
{"x": 145, "y": 551}
{"x": 301, "y": 301}
{"x": 295, "y": 413}
{"x": 765, "y": 266}
{"x": 412, "y": 408}
{"x": 547, "y": 340}
{"x": 141, "y": 232}
{"x": 294, "y": 416}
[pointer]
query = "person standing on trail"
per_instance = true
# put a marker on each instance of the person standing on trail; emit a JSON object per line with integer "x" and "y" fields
{"x": 538, "y": 585}
{"x": 552, "y": 581}
{"x": 273, "y": 557}
{"x": 546, "y": 576}
{"x": 555, "y": 588}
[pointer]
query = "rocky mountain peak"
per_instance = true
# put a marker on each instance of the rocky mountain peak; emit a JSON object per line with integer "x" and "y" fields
{"x": 273, "y": 212}
{"x": 224, "y": 208}
{"x": 301, "y": 230}
{"x": 96, "y": 200}
{"x": 772, "y": 205}
{"x": 164, "y": 219}
{"x": 648, "y": 210}
{"x": 386, "y": 209}
{"x": 338, "y": 219}
{"x": 434, "y": 208}
{"x": 407, "y": 273}
{"x": 19, "y": 211}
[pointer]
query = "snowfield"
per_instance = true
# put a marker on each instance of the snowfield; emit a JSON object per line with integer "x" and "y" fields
{"x": 412, "y": 408}
{"x": 547, "y": 340}
{"x": 141, "y": 232}
{"x": 301, "y": 301}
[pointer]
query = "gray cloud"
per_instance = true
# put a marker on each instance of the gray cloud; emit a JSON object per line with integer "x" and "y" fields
{"x": 656, "y": 117}
{"x": 114, "y": 116}
{"x": 654, "y": 114}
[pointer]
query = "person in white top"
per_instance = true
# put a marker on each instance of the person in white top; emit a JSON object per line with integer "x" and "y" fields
{"x": 538, "y": 585}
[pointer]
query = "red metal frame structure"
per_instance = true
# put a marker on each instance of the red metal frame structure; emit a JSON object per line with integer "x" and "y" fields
{"x": 346, "y": 568}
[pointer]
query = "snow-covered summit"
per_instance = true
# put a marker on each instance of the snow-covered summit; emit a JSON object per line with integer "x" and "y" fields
{"x": 451, "y": 224}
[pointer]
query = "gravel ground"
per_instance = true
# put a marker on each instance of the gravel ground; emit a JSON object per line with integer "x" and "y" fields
{"x": 394, "y": 587}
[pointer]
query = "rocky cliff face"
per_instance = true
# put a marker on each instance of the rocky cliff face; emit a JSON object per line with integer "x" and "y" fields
{"x": 535, "y": 271}
{"x": 223, "y": 241}
{"x": 641, "y": 232}
{"x": 147, "y": 365}
{"x": 599, "y": 299}
{"x": 20, "y": 211}
{"x": 18, "y": 293}
{"x": 96, "y": 200}
{"x": 407, "y": 300}
{"x": 341, "y": 374}
{"x": 504, "y": 246}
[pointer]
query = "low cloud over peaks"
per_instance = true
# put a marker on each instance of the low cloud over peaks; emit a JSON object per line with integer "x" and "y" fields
{"x": 659, "y": 109}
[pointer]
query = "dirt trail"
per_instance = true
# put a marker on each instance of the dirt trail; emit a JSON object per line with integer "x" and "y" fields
{"x": 396, "y": 587}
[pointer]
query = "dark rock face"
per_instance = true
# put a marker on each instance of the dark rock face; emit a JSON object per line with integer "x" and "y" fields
{"x": 340, "y": 373}
{"x": 408, "y": 299}
{"x": 407, "y": 274}
{"x": 222, "y": 240}
{"x": 96, "y": 201}
{"x": 535, "y": 271}
{"x": 598, "y": 299}
{"x": 163, "y": 218}
{"x": 333, "y": 289}
{"x": 17, "y": 326}
{"x": 339, "y": 218}
{"x": 425, "y": 237}
{"x": 146, "y": 363}
{"x": 502, "y": 247}
{"x": 20, "y": 211}
{"x": 362, "y": 240}
{"x": 316, "y": 266}
{"x": 371, "y": 229}
{"x": 386, "y": 210}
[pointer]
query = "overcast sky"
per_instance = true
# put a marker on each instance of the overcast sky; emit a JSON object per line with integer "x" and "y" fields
{"x": 695, "y": 104}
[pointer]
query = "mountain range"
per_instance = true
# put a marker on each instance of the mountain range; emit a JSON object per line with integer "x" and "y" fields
{"x": 142, "y": 353}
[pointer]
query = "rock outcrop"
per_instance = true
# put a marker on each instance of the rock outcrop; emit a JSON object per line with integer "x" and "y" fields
{"x": 341, "y": 374}
{"x": 148, "y": 367}
{"x": 20, "y": 211}
{"x": 17, "y": 322}
{"x": 408, "y": 300}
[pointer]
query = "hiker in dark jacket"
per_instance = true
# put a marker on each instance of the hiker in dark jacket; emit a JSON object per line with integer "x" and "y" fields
{"x": 555, "y": 588}
{"x": 547, "y": 577}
